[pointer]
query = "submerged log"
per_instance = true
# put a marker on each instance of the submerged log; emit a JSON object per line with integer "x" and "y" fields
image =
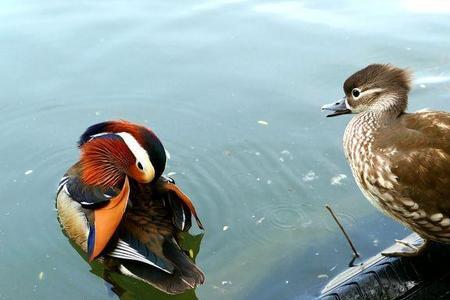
{"x": 423, "y": 277}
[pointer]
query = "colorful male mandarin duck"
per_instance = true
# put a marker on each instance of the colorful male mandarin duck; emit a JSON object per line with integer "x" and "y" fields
{"x": 118, "y": 207}
{"x": 401, "y": 161}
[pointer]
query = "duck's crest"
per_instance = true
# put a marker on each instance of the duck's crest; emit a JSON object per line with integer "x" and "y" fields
{"x": 93, "y": 130}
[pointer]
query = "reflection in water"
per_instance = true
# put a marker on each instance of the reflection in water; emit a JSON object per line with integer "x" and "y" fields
{"x": 129, "y": 288}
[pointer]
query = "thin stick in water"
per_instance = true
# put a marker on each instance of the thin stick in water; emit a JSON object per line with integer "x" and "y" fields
{"x": 355, "y": 253}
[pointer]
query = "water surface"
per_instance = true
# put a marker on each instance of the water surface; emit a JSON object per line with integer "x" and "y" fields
{"x": 233, "y": 89}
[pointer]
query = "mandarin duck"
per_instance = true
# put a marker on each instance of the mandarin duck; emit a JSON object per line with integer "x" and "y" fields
{"x": 116, "y": 205}
{"x": 400, "y": 160}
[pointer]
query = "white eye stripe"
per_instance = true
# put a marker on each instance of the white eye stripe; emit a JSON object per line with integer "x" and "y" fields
{"x": 370, "y": 91}
{"x": 137, "y": 150}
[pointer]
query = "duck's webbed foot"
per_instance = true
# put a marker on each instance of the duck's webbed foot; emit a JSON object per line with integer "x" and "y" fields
{"x": 406, "y": 249}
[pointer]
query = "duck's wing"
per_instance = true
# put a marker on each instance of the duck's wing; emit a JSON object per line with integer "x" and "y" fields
{"x": 148, "y": 250}
{"x": 417, "y": 154}
{"x": 101, "y": 209}
{"x": 90, "y": 197}
{"x": 181, "y": 205}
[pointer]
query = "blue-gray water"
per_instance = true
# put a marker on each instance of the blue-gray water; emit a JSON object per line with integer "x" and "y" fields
{"x": 233, "y": 89}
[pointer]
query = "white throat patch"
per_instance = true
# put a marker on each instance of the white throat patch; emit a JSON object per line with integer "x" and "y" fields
{"x": 347, "y": 104}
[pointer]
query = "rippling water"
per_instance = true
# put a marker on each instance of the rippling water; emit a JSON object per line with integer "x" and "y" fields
{"x": 233, "y": 88}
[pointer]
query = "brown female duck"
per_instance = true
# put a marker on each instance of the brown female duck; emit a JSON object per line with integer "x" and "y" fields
{"x": 115, "y": 204}
{"x": 401, "y": 161}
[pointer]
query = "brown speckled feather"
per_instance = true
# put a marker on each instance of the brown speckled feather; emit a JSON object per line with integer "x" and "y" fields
{"x": 416, "y": 148}
{"x": 400, "y": 161}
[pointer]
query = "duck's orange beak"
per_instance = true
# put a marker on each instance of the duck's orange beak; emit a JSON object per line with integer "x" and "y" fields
{"x": 107, "y": 219}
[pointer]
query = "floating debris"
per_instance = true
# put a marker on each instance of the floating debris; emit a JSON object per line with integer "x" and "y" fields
{"x": 286, "y": 282}
{"x": 260, "y": 220}
{"x": 332, "y": 269}
{"x": 262, "y": 122}
{"x": 191, "y": 253}
{"x": 225, "y": 228}
{"x": 41, "y": 275}
{"x": 310, "y": 176}
{"x": 28, "y": 172}
{"x": 226, "y": 282}
{"x": 286, "y": 154}
{"x": 322, "y": 276}
{"x": 337, "y": 180}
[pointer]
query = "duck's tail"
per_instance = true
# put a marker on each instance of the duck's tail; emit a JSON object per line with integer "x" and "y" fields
{"x": 172, "y": 271}
{"x": 189, "y": 272}
{"x": 171, "y": 283}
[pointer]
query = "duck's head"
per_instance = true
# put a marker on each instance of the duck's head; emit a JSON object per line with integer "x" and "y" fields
{"x": 378, "y": 87}
{"x": 114, "y": 149}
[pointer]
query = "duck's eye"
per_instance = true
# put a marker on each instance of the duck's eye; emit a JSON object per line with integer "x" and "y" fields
{"x": 356, "y": 92}
{"x": 139, "y": 165}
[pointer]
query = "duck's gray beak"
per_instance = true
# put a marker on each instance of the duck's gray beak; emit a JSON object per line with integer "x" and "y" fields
{"x": 338, "y": 108}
